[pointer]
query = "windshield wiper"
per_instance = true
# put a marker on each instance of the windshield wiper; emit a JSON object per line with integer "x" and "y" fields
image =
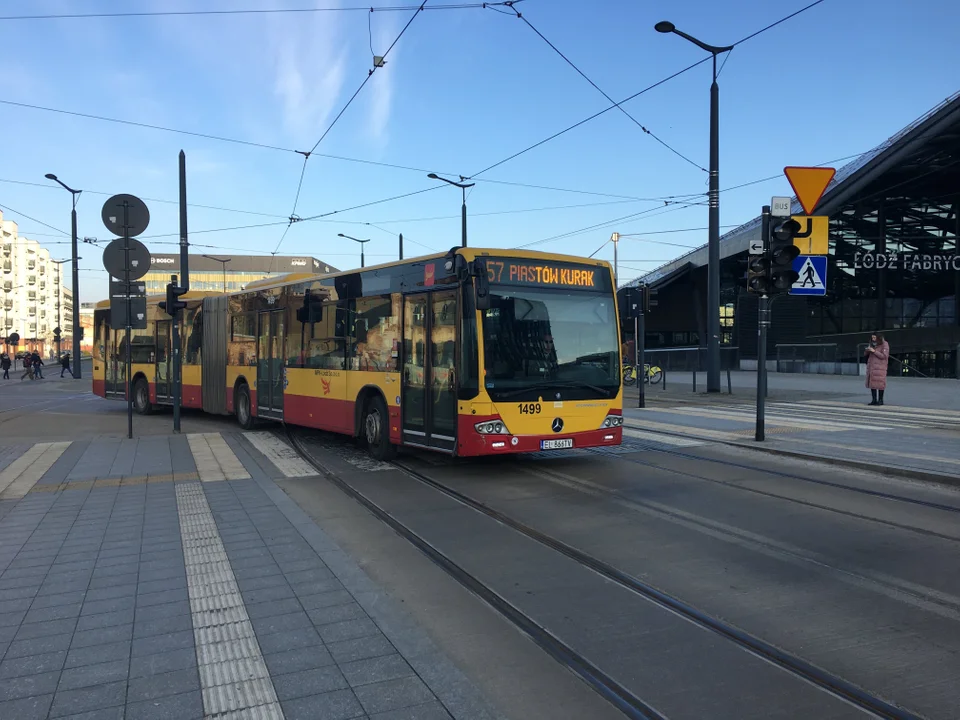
{"x": 552, "y": 385}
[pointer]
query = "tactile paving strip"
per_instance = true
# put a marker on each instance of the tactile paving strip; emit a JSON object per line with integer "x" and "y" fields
{"x": 234, "y": 678}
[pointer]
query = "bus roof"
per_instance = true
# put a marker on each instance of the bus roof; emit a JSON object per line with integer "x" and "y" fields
{"x": 469, "y": 253}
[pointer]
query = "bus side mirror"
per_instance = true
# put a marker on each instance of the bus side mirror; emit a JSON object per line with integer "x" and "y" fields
{"x": 481, "y": 285}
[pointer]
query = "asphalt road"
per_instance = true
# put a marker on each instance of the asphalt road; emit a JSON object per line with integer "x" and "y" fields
{"x": 851, "y": 573}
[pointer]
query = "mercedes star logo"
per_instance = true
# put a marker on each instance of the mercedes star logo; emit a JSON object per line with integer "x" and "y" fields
{"x": 557, "y": 424}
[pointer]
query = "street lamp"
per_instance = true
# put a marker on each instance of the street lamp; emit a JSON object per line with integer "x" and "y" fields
{"x": 713, "y": 195}
{"x": 463, "y": 208}
{"x": 348, "y": 237}
{"x": 75, "y": 194}
{"x": 615, "y": 239}
{"x": 223, "y": 263}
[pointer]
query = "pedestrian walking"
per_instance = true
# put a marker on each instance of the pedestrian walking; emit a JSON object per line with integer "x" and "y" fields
{"x": 65, "y": 365}
{"x": 5, "y": 365}
{"x": 37, "y": 363}
{"x": 27, "y": 367}
{"x": 878, "y": 352}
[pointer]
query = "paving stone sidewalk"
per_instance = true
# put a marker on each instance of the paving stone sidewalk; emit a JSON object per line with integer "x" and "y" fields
{"x": 132, "y": 588}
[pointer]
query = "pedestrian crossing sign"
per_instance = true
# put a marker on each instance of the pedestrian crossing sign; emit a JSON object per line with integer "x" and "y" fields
{"x": 812, "y": 270}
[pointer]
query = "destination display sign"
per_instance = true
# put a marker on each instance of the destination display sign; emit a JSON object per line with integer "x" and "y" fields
{"x": 539, "y": 273}
{"x": 926, "y": 262}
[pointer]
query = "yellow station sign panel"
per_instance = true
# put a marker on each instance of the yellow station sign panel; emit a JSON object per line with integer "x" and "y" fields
{"x": 814, "y": 234}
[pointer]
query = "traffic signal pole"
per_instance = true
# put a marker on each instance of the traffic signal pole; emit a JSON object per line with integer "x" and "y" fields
{"x": 184, "y": 286}
{"x": 763, "y": 322}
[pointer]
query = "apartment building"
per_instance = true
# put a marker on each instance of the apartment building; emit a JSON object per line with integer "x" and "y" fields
{"x": 33, "y": 299}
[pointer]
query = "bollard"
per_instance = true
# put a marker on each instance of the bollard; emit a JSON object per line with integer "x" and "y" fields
{"x": 663, "y": 379}
{"x": 729, "y": 384}
{"x": 694, "y": 380}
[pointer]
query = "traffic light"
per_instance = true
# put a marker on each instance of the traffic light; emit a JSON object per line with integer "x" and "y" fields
{"x": 758, "y": 274}
{"x": 631, "y": 303}
{"x": 173, "y": 304}
{"x": 782, "y": 253}
{"x": 56, "y": 332}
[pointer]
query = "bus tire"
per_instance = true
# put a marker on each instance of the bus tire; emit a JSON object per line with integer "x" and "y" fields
{"x": 375, "y": 431}
{"x": 141, "y": 397}
{"x": 243, "y": 408}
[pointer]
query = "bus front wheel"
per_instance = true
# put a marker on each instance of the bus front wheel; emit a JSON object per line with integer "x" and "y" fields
{"x": 376, "y": 430}
{"x": 243, "y": 407}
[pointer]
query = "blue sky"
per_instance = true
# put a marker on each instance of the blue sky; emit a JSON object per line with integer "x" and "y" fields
{"x": 461, "y": 90}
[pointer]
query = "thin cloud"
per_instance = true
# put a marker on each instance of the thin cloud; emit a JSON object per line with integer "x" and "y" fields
{"x": 308, "y": 72}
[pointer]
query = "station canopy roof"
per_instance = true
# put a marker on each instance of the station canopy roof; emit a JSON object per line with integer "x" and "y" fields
{"x": 926, "y": 146}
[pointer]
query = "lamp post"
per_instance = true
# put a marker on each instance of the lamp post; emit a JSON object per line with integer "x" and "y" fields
{"x": 348, "y": 237}
{"x": 713, "y": 195}
{"x": 59, "y": 332}
{"x": 615, "y": 239}
{"x": 223, "y": 264}
{"x": 75, "y": 194}
{"x": 463, "y": 208}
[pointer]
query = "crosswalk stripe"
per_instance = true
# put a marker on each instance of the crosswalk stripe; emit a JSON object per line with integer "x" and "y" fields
{"x": 214, "y": 459}
{"x": 283, "y": 456}
{"x": 24, "y": 472}
{"x": 949, "y": 414}
{"x": 661, "y": 438}
{"x": 686, "y": 430}
{"x": 775, "y": 418}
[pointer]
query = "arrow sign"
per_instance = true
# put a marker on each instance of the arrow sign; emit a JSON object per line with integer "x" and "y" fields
{"x": 809, "y": 183}
{"x": 756, "y": 246}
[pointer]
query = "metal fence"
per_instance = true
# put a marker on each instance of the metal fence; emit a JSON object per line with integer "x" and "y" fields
{"x": 691, "y": 359}
{"x": 817, "y": 358}
{"x": 895, "y": 366}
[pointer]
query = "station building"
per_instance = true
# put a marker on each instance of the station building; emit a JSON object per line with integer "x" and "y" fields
{"x": 893, "y": 265}
{"x": 227, "y": 273}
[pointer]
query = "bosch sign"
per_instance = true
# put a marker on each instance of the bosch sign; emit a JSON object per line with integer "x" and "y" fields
{"x": 163, "y": 260}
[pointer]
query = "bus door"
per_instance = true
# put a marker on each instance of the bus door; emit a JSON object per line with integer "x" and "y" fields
{"x": 164, "y": 383}
{"x": 270, "y": 375}
{"x": 429, "y": 403}
{"x": 116, "y": 365}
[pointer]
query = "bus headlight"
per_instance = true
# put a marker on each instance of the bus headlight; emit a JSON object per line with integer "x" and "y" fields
{"x": 492, "y": 427}
{"x": 611, "y": 421}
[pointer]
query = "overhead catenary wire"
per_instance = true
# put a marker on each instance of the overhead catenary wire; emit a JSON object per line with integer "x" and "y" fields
{"x": 641, "y": 92}
{"x": 329, "y": 156}
{"x": 617, "y": 105}
{"x": 32, "y": 219}
{"x": 308, "y": 153}
{"x": 251, "y": 11}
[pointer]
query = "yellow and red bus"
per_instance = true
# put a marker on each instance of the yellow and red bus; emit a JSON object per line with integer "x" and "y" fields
{"x": 475, "y": 352}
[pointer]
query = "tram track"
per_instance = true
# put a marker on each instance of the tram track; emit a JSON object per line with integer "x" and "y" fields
{"x": 606, "y": 686}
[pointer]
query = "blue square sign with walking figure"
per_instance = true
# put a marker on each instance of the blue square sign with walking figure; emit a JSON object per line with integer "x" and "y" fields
{"x": 812, "y": 270}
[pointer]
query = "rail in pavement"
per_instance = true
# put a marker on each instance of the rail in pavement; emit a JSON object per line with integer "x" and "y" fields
{"x": 915, "y": 442}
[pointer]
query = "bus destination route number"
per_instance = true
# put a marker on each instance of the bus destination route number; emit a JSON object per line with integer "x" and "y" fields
{"x": 519, "y": 272}
{"x": 530, "y": 408}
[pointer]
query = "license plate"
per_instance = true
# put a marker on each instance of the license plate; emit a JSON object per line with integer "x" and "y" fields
{"x": 556, "y": 444}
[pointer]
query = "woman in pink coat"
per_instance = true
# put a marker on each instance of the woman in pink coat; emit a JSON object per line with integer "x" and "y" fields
{"x": 878, "y": 352}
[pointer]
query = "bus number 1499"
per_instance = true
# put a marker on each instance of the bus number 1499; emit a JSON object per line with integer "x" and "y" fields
{"x": 530, "y": 408}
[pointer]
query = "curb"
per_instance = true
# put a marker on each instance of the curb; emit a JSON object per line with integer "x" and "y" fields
{"x": 929, "y": 476}
{"x": 885, "y": 470}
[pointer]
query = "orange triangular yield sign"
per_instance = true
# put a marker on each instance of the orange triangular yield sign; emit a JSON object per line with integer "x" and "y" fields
{"x": 809, "y": 184}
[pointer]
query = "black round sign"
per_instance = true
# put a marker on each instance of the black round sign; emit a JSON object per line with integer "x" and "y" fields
{"x": 14, "y": 339}
{"x": 138, "y": 217}
{"x": 114, "y": 260}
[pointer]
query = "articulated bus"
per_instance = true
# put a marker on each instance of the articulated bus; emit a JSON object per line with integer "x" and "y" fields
{"x": 475, "y": 352}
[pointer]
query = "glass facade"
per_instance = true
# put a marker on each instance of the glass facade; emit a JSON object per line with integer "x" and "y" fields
{"x": 206, "y": 280}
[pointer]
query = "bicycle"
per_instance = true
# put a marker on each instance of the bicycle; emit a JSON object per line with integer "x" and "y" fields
{"x": 652, "y": 375}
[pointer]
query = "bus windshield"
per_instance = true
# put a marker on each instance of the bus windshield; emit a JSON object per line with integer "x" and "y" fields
{"x": 556, "y": 341}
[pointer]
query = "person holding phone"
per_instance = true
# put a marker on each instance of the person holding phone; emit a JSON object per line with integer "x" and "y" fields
{"x": 877, "y": 352}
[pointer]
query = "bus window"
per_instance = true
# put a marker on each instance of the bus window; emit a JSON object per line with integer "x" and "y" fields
{"x": 375, "y": 333}
{"x": 325, "y": 341}
{"x": 193, "y": 340}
